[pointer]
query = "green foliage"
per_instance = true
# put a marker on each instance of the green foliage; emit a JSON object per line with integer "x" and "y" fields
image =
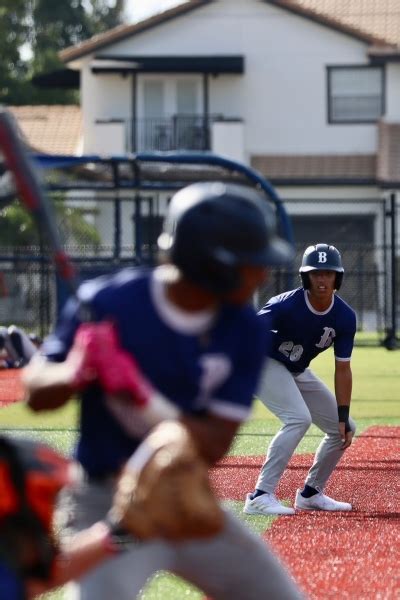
{"x": 16, "y": 227}
{"x": 74, "y": 228}
{"x": 13, "y": 34}
{"x": 18, "y": 230}
{"x": 104, "y": 16}
{"x": 57, "y": 25}
{"x": 47, "y": 27}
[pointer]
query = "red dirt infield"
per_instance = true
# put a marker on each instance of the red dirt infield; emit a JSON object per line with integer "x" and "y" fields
{"x": 10, "y": 387}
{"x": 354, "y": 555}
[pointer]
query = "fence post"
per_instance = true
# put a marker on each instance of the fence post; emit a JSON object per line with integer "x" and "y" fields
{"x": 391, "y": 341}
{"x": 117, "y": 210}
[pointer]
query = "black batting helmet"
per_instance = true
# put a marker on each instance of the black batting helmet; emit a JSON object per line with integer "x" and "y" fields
{"x": 213, "y": 228}
{"x": 321, "y": 257}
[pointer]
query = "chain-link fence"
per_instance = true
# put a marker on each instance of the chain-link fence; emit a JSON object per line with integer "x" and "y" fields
{"x": 363, "y": 287}
{"x": 364, "y": 230}
{"x": 107, "y": 222}
{"x": 27, "y": 293}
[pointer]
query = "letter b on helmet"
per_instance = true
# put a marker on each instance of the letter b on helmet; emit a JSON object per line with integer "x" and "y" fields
{"x": 321, "y": 257}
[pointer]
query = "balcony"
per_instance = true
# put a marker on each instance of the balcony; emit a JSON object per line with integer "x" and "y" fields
{"x": 179, "y": 132}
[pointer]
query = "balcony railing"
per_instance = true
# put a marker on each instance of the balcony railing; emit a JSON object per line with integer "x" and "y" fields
{"x": 184, "y": 132}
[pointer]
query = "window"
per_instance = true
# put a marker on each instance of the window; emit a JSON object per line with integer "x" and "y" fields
{"x": 153, "y": 98}
{"x": 186, "y": 97}
{"x": 355, "y": 94}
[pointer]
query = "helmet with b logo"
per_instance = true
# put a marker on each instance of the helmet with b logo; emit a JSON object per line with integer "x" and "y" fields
{"x": 321, "y": 257}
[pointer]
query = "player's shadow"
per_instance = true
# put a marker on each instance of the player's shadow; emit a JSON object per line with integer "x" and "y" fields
{"x": 380, "y": 437}
{"x": 381, "y": 516}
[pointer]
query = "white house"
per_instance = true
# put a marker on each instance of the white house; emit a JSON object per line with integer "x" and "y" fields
{"x": 305, "y": 91}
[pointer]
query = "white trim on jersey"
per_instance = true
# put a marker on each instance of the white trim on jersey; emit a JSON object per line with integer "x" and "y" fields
{"x": 228, "y": 410}
{"x": 54, "y": 346}
{"x": 312, "y": 309}
{"x": 181, "y": 321}
{"x": 342, "y": 359}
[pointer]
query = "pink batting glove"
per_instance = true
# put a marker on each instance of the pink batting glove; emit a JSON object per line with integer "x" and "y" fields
{"x": 103, "y": 359}
{"x": 80, "y": 358}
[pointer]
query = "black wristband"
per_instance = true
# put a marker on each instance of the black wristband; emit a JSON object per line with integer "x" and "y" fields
{"x": 343, "y": 412}
{"x": 120, "y": 538}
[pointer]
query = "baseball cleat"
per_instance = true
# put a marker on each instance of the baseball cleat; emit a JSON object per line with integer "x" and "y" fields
{"x": 320, "y": 502}
{"x": 266, "y": 504}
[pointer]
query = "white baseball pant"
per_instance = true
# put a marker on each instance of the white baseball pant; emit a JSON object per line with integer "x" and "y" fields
{"x": 234, "y": 564}
{"x": 299, "y": 400}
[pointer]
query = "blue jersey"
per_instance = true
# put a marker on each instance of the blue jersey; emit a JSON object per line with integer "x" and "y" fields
{"x": 201, "y": 362}
{"x": 11, "y": 586}
{"x": 299, "y": 333}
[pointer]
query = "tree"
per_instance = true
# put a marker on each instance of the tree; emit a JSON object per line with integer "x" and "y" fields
{"x": 55, "y": 25}
{"x": 18, "y": 232}
{"x": 103, "y": 16}
{"x": 47, "y": 27}
{"x": 13, "y": 34}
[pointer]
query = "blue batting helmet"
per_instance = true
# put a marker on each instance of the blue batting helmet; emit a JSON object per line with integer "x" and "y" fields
{"x": 213, "y": 228}
{"x": 321, "y": 257}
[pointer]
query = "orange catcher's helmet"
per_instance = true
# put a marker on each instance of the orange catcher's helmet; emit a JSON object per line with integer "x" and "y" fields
{"x": 31, "y": 476}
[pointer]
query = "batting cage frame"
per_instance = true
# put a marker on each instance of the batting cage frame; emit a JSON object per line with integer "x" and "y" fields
{"x": 112, "y": 187}
{"x": 126, "y": 196}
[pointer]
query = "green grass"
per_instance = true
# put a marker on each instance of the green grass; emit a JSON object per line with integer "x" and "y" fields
{"x": 369, "y": 338}
{"x": 57, "y": 428}
{"x": 376, "y": 373}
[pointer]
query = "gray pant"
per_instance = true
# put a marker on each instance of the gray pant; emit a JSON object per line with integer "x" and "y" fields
{"x": 28, "y": 348}
{"x": 6, "y": 343}
{"x": 299, "y": 400}
{"x": 234, "y": 564}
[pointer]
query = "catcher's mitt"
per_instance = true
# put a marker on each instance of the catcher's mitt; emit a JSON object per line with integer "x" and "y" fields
{"x": 164, "y": 491}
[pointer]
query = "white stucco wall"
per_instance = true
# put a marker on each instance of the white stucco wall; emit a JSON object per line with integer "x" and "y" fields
{"x": 105, "y": 97}
{"x": 227, "y": 139}
{"x": 282, "y": 95}
{"x": 393, "y": 93}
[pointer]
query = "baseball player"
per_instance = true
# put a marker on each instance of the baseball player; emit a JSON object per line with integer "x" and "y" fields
{"x": 31, "y": 563}
{"x": 304, "y": 322}
{"x": 16, "y": 347}
{"x": 188, "y": 348}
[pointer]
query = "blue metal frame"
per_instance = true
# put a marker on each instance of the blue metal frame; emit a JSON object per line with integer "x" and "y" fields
{"x": 187, "y": 158}
{"x": 199, "y": 158}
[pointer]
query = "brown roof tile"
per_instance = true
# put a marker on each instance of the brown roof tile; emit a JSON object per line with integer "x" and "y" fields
{"x": 312, "y": 167}
{"x": 53, "y": 129}
{"x": 377, "y": 22}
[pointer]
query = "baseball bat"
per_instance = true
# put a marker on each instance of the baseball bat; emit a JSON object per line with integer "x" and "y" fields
{"x": 32, "y": 195}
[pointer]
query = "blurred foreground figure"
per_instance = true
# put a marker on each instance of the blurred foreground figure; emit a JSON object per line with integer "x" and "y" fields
{"x": 180, "y": 343}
